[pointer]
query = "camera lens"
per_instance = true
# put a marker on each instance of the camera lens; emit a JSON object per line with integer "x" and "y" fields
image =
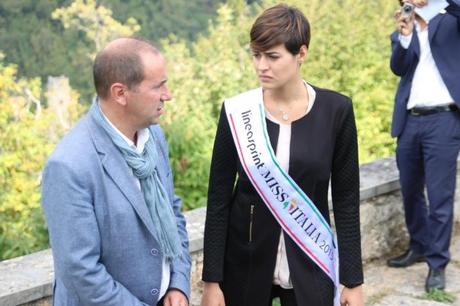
{"x": 407, "y": 9}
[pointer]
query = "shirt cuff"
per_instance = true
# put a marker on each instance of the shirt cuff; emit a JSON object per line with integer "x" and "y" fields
{"x": 405, "y": 40}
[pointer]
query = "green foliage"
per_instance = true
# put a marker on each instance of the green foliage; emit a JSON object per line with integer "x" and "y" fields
{"x": 183, "y": 18}
{"x": 39, "y": 46}
{"x": 201, "y": 76}
{"x": 42, "y": 47}
{"x": 439, "y": 296}
{"x": 95, "y": 21}
{"x": 25, "y": 142}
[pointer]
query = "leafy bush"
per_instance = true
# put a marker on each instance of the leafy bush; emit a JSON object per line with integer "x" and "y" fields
{"x": 27, "y": 138}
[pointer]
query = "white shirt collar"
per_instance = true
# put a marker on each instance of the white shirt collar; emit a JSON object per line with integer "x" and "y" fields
{"x": 143, "y": 136}
{"x": 419, "y": 28}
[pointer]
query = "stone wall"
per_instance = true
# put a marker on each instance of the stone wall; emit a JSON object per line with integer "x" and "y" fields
{"x": 27, "y": 280}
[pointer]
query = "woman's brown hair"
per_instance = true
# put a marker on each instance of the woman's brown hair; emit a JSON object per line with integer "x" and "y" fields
{"x": 280, "y": 24}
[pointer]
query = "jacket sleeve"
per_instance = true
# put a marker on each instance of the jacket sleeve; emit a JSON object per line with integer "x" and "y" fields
{"x": 75, "y": 238}
{"x": 221, "y": 183}
{"x": 401, "y": 59}
{"x": 345, "y": 199}
{"x": 180, "y": 267}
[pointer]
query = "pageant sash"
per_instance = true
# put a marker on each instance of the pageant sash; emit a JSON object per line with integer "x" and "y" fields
{"x": 290, "y": 206}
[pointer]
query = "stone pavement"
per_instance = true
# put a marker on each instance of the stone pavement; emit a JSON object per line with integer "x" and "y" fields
{"x": 386, "y": 286}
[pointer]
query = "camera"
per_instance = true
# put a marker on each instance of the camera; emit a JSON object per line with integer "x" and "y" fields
{"x": 407, "y": 9}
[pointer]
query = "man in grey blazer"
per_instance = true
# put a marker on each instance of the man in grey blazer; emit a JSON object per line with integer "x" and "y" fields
{"x": 116, "y": 230}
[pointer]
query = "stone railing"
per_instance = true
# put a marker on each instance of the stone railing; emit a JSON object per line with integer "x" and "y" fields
{"x": 28, "y": 280}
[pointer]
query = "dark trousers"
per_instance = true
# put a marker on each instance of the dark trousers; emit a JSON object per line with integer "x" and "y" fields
{"x": 426, "y": 155}
{"x": 287, "y": 296}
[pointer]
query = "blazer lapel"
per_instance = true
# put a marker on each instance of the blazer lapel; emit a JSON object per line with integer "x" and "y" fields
{"x": 433, "y": 26}
{"x": 416, "y": 43}
{"x": 118, "y": 170}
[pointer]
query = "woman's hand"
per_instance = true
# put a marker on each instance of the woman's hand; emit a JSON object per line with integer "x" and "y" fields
{"x": 352, "y": 296}
{"x": 212, "y": 295}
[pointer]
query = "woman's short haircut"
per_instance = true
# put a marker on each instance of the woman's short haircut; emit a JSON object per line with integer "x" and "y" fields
{"x": 280, "y": 24}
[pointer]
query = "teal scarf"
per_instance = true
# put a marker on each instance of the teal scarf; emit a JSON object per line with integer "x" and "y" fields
{"x": 155, "y": 196}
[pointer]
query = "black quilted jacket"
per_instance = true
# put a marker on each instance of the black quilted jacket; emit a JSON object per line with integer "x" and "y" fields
{"x": 241, "y": 235}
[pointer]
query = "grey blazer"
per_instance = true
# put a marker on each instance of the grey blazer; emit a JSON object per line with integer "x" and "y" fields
{"x": 100, "y": 229}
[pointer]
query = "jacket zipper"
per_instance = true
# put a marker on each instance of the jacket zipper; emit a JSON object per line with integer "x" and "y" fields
{"x": 251, "y": 220}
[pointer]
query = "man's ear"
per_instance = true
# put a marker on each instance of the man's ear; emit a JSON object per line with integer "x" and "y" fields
{"x": 118, "y": 92}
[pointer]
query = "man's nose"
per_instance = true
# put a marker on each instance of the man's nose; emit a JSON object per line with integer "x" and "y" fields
{"x": 166, "y": 95}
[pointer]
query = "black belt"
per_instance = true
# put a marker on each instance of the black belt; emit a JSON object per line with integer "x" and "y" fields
{"x": 422, "y": 111}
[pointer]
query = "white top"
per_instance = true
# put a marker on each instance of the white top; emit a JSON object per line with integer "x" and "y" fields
{"x": 428, "y": 89}
{"x": 282, "y": 276}
{"x": 143, "y": 136}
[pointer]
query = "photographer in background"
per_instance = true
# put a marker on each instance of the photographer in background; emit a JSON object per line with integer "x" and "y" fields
{"x": 426, "y": 121}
